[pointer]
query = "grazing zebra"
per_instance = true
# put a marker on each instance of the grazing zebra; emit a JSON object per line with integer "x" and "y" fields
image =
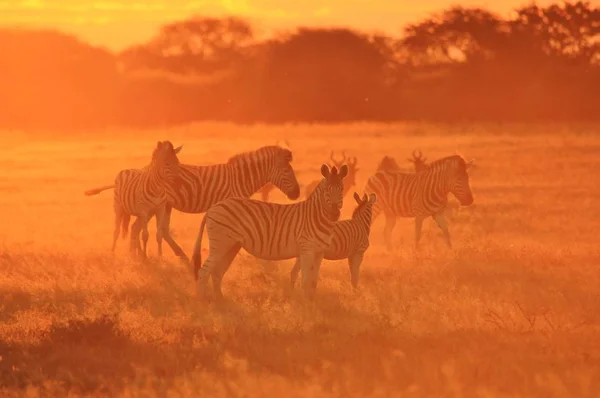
{"x": 266, "y": 189}
{"x": 271, "y": 231}
{"x": 142, "y": 193}
{"x": 241, "y": 176}
{"x": 420, "y": 195}
{"x": 350, "y": 239}
{"x": 349, "y": 182}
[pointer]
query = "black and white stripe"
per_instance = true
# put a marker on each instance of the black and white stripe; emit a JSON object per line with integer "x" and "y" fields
{"x": 350, "y": 239}
{"x": 420, "y": 195}
{"x": 143, "y": 193}
{"x": 271, "y": 231}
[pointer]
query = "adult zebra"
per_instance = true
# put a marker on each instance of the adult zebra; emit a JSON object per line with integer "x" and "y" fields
{"x": 420, "y": 195}
{"x": 241, "y": 176}
{"x": 350, "y": 239}
{"x": 271, "y": 231}
{"x": 142, "y": 193}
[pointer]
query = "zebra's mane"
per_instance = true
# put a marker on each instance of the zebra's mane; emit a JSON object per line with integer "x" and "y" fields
{"x": 269, "y": 151}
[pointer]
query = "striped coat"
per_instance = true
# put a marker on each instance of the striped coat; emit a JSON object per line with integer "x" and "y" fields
{"x": 142, "y": 193}
{"x": 271, "y": 231}
{"x": 420, "y": 195}
{"x": 350, "y": 239}
{"x": 241, "y": 176}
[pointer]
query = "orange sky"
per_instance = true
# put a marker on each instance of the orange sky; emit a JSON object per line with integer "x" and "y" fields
{"x": 117, "y": 24}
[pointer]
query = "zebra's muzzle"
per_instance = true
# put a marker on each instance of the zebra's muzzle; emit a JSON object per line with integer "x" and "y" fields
{"x": 467, "y": 201}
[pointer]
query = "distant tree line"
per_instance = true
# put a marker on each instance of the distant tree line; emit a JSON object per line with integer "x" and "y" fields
{"x": 541, "y": 64}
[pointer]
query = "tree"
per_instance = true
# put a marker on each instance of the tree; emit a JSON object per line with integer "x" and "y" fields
{"x": 193, "y": 46}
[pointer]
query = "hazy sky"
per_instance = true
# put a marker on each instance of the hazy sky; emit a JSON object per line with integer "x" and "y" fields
{"x": 117, "y": 24}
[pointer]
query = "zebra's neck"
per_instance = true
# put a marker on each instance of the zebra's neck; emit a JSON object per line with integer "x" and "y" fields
{"x": 442, "y": 186}
{"x": 154, "y": 183}
{"x": 318, "y": 208}
{"x": 249, "y": 176}
{"x": 363, "y": 219}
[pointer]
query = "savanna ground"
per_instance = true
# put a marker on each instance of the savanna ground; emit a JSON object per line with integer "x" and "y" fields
{"x": 512, "y": 310}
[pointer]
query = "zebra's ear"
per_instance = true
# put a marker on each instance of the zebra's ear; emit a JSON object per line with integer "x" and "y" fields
{"x": 357, "y": 198}
{"x": 372, "y": 198}
{"x": 325, "y": 171}
{"x": 178, "y": 149}
{"x": 343, "y": 171}
{"x": 158, "y": 144}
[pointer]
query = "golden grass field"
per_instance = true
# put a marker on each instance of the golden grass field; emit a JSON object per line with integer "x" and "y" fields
{"x": 512, "y": 310}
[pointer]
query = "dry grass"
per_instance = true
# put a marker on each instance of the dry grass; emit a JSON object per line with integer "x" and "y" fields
{"x": 513, "y": 310}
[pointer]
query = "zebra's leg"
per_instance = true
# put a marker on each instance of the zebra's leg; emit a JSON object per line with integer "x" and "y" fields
{"x": 354, "y": 262}
{"x": 145, "y": 236}
{"x": 118, "y": 219}
{"x": 318, "y": 259}
{"x": 390, "y": 223}
{"x": 135, "y": 247}
{"x": 441, "y": 222}
{"x": 223, "y": 266}
{"x": 307, "y": 260}
{"x": 166, "y": 225}
{"x": 295, "y": 272}
{"x": 215, "y": 262}
{"x": 418, "y": 226}
{"x": 166, "y": 235}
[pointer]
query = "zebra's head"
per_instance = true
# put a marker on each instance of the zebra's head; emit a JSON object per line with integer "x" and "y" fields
{"x": 333, "y": 189}
{"x": 282, "y": 174}
{"x": 165, "y": 160}
{"x": 459, "y": 180}
{"x": 365, "y": 206}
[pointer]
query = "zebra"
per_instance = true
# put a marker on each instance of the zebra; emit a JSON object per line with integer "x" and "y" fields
{"x": 350, "y": 239}
{"x": 419, "y": 163}
{"x": 271, "y": 231}
{"x": 241, "y": 176}
{"x": 420, "y": 195}
{"x": 142, "y": 192}
{"x": 350, "y": 180}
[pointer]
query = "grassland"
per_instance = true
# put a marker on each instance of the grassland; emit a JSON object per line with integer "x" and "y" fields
{"x": 512, "y": 310}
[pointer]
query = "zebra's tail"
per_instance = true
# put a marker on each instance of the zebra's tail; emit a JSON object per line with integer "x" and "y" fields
{"x": 125, "y": 225}
{"x": 96, "y": 191}
{"x": 197, "y": 256}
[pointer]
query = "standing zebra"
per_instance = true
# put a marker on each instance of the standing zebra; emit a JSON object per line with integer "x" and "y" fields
{"x": 142, "y": 193}
{"x": 241, "y": 176}
{"x": 350, "y": 239}
{"x": 271, "y": 231}
{"x": 420, "y": 195}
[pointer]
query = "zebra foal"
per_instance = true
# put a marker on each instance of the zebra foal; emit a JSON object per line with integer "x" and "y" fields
{"x": 420, "y": 195}
{"x": 271, "y": 231}
{"x": 350, "y": 239}
{"x": 142, "y": 193}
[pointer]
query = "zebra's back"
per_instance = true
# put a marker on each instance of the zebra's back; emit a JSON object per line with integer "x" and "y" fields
{"x": 348, "y": 238}
{"x": 266, "y": 230}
